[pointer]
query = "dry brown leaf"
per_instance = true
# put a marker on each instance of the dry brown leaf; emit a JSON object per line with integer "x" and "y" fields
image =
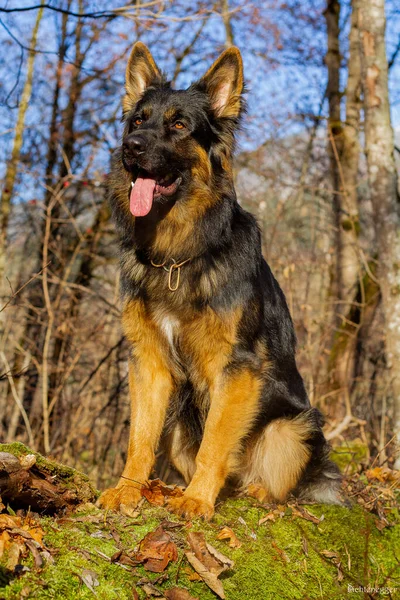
{"x": 151, "y": 590}
{"x": 9, "y": 522}
{"x": 381, "y": 524}
{"x": 177, "y": 593}
{"x": 156, "y": 550}
{"x": 37, "y": 534}
{"x": 271, "y": 516}
{"x": 209, "y": 578}
{"x": 14, "y": 553}
{"x": 305, "y": 514}
{"x": 194, "y": 576}
{"x": 37, "y": 557}
{"x": 383, "y": 474}
{"x": 304, "y": 545}
{"x": 156, "y": 492}
{"x": 227, "y": 533}
{"x": 89, "y": 578}
{"x": 335, "y": 558}
{"x": 208, "y": 562}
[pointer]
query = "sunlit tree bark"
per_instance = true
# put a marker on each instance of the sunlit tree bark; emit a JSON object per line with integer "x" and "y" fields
{"x": 379, "y": 145}
{"x": 12, "y": 166}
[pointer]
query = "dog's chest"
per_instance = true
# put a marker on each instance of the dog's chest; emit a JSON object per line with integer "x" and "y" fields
{"x": 169, "y": 327}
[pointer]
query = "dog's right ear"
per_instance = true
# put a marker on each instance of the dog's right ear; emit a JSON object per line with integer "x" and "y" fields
{"x": 141, "y": 73}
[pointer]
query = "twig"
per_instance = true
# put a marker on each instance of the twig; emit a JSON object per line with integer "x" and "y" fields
{"x": 23, "y": 286}
{"x": 17, "y": 399}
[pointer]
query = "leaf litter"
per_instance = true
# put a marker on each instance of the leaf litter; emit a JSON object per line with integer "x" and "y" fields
{"x": 208, "y": 562}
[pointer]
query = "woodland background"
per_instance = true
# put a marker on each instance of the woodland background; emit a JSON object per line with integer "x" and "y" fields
{"x": 316, "y": 164}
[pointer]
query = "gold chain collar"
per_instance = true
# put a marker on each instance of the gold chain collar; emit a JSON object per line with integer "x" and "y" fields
{"x": 174, "y": 266}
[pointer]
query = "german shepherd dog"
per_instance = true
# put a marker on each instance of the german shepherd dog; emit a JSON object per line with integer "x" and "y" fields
{"x": 212, "y": 365}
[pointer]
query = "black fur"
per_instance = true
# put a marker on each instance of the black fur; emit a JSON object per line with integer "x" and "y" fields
{"x": 225, "y": 249}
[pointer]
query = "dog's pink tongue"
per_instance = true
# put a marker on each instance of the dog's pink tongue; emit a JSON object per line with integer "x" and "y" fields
{"x": 141, "y": 198}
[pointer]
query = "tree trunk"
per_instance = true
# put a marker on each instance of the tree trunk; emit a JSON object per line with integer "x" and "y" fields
{"x": 349, "y": 222}
{"x": 352, "y": 281}
{"x": 335, "y": 131}
{"x": 379, "y": 146}
{"x": 12, "y": 167}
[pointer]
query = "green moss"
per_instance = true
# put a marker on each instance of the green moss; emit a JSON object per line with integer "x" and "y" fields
{"x": 287, "y": 559}
{"x": 270, "y": 564}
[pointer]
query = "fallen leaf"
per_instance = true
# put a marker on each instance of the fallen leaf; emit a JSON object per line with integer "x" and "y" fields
{"x": 305, "y": 514}
{"x": 335, "y": 558}
{"x": 383, "y": 474}
{"x": 304, "y": 545}
{"x": 380, "y": 524}
{"x": 227, "y": 533}
{"x": 193, "y": 576}
{"x": 122, "y": 558}
{"x": 37, "y": 534}
{"x": 208, "y": 562}
{"x": 9, "y": 521}
{"x": 14, "y": 553}
{"x": 156, "y": 550}
{"x": 89, "y": 578}
{"x": 171, "y": 524}
{"x": 37, "y": 557}
{"x": 177, "y": 593}
{"x": 156, "y": 492}
{"x": 101, "y": 535}
{"x": 269, "y": 517}
{"x": 151, "y": 590}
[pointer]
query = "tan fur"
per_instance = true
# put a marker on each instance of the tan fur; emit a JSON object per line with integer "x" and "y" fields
{"x": 150, "y": 388}
{"x": 234, "y": 403}
{"x": 277, "y": 458}
{"x": 224, "y": 82}
{"x": 182, "y": 458}
{"x": 141, "y": 71}
{"x": 208, "y": 339}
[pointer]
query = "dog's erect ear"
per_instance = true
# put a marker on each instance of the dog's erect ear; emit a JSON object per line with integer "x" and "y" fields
{"x": 141, "y": 73}
{"x": 223, "y": 82}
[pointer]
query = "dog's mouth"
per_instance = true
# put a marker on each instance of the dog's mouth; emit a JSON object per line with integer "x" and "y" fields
{"x": 146, "y": 188}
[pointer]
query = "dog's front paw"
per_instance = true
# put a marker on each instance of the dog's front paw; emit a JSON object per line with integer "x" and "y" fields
{"x": 190, "y": 507}
{"x": 123, "y": 499}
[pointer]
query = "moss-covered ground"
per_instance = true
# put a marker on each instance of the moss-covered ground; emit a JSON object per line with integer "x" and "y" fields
{"x": 286, "y": 558}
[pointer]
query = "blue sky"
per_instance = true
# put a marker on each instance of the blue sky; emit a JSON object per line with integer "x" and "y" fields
{"x": 283, "y": 91}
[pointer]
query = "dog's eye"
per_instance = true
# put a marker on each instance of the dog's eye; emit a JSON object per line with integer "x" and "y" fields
{"x": 179, "y": 125}
{"x": 138, "y": 121}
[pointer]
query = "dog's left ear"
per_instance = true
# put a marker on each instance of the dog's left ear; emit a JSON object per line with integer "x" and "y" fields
{"x": 223, "y": 82}
{"x": 141, "y": 73}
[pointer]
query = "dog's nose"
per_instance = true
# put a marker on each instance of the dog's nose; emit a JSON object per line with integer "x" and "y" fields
{"x": 133, "y": 145}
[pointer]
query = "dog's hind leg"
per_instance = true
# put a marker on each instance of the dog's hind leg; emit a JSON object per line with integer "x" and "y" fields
{"x": 290, "y": 455}
{"x": 181, "y": 454}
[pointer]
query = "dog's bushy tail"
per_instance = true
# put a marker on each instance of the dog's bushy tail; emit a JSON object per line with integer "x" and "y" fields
{"x": 292, "y": 456}
{"x": 321, "y": 478}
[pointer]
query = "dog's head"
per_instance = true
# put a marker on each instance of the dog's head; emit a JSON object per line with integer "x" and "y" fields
{"x": 178, "y": 140}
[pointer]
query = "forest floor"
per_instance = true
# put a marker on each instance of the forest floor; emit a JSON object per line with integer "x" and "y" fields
{"x": 249, "y": 550}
